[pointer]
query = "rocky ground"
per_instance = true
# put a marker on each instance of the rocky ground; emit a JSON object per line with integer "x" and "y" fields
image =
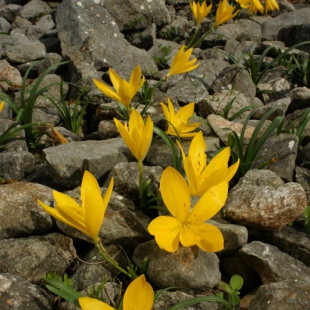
{"x": 261, "y": 245}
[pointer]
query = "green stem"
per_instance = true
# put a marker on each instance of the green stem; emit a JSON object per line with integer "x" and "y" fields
{"x": 102, "y": 251}
{"x": 189, "y": 45}
{"x": 140, "y": 166}
{"x": 202, "y": 38}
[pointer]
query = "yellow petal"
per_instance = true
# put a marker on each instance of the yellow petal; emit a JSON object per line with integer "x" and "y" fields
{"x": 188, "y": 237}
{"x": 93, "y": 204}
{"x": 185, "y": 113}
{"x": 166, "y": 230}
{"x": 211, "y": 238}
{"x": 232, "y": 170}
{"x": 1, "y": 106}
{"x": 115, "y": 79}
{"x": 107, "y": 90}
{"x": 147, "y": 137}
{"x": 175, "y": 193}
{"x": 209, "y": 204}
{"x": 139, "y": 295}
{"x": 88, "y": 303}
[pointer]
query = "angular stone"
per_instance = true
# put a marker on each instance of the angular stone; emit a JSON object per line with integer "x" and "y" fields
{"x": 262, "y": 200}
{"x": 67, "y": 162}
{"x": 279, "y": 155}
{"x": 296, "y": 243}
{"x": 9, "y": 74}
{"x": 188, "y": 267}
{"x": 284, "y": 295}
{"x": 272, "y": 265}
{"x": 33, "y": 257}
{"x": 14, "y": 165}
{"x": 20, "y": 214}
{"x": 18, "y": 294}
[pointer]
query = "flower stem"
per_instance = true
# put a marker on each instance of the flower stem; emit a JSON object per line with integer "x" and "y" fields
{"x": 140, "y": 166}
{"x": 189, "y": 45}
{"x": 104, "y": 254}
{"x": 201, "y": 39}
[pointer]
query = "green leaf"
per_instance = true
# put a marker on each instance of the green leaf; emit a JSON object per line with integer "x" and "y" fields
{"x": 236, "y": 282}
{"x": 196, "y": 300}
{"x": 233, "y": 299}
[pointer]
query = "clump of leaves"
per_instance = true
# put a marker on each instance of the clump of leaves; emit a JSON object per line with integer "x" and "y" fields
{"x": 162, "y": 58}
{"x": 306, "y": 214}
{"x": 248, "y": 153}
{"x": 232, "y": 289}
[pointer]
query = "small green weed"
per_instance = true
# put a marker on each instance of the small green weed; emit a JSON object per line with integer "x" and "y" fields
{"x": 232, "y": 290}
{"x": 306, "y": 214}
{"x": 163, "y": 58}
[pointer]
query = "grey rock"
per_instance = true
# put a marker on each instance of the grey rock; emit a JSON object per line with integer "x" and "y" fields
{"x": 22, "y": 295}
{"x": 35, "y": 8}
{"x": 288, "y": 240}
{"x": 279, "y": 155}
{"x": 216, "y": 104}
{"x": 293, "y": 120}
{"x": 15, "y": 165}
{"x": 25, "y": 53}
{"x": 45, "y": 23}
{"x": 235, "y": 77}
{"x": 271, "y": 27}
{"x": 10, "y": 11}
{"x": 189, "y": 267}
{"x": 274, "y": 89}
{"x": 93, "y": 33}
{"x": 260, "y": 200}
{"x": 33, "y": 257}
{"x": 187, "y": 90}
{"x": 282, "y": 103}
{"x": 146, "y": 38}
{"x": 286, "y": 295}
{"x": 9, "y": 76}
{"x": 20, "y": 212}
{"x": 107, "y": 129}
{"x": 138, "y": 14}
{"x": 235, "y": 236}
{"x": 302, "y": 176}
{"x": 4, "y": 25}
{"x": 272, "y": 265}
{"x": 300, "y": 98}
{"x": 67, "y": 162}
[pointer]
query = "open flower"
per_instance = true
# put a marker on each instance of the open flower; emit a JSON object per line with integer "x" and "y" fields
{"x": 136, "y": 134}
{"x": 178, "y": 122}
{"x": 200, "y": 11}
{"x": 253, "y": 6}
{"x": 181, "y": 63}
{"x": 271, "y": 5}
{"x": 1, "y": 106}
{"x": 87, "y": 217}
{"x": 124, "y": 91}
{"x": 200, "y": 176}
{"x": 224, "y": 13}
{"x": 138, "y": 296}
{"x": 185, "y": 225}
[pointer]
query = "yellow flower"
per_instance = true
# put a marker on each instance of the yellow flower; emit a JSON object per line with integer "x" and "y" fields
{"x": 87, "y": 217}
{"x": 252, "y": 5}
{"x": 137, "y": 135}
{"x": 224, "y": 12}
{"x": 1, "y": 106}
{"x": 124, "y": 91}
{"x": 178, "y": 122}
{"x": 138, "y": 296}
{"x": 181, "y": 64}
{"x": 187, "y": 226}
{"x": 271, "y": 5}
{"x": 200, "y": 176}
{"x": 200, "y": 11}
